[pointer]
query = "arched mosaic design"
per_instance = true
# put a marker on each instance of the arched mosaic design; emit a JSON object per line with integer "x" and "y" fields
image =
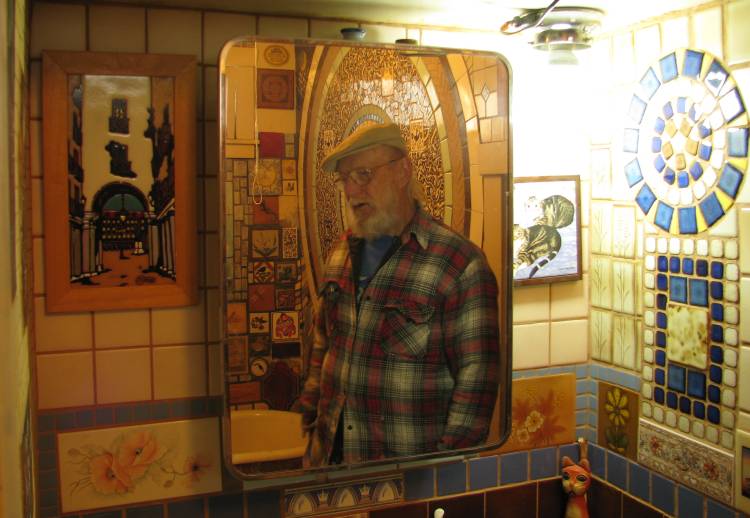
{"x": 687, "y": 149}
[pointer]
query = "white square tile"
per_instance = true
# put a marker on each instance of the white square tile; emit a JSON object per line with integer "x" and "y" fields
{"x": 569, "y": 342}
{"x": 531, "y": 346}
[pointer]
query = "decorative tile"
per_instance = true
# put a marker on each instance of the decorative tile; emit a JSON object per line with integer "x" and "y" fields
{"x": 601, "y": 335}
{"x": 617, "y": 426}
{"x": 691, "y": 463}
{"x": 260, "y": 322}
{"x": 331, "y": 498}
{"x": 266, "y": 211}
{"x": 601, "y": 282}
{"x": 134, "y": 464}
{"x": 261, "y": 297}
{"x": 290, "y": 245}
{"x": 265, "y": 178}
{"x": 285, "y": 325}
{"x": 236, "y": 318}
{"x": 687, "y": 335}
{"x": 265, "y": 243}
{"x": 624, "y": 342}
{"x": 237, "y": 355}
{"x": 275, "y": 89}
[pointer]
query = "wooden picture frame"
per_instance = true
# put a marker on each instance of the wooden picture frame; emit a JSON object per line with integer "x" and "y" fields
{"x": 742, "y": 471}
{"x": 546, "y": 229}
{"x": 119, "y": 143}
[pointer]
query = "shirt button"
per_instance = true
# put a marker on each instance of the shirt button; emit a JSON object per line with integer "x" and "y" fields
{"x": 350, "y": 427}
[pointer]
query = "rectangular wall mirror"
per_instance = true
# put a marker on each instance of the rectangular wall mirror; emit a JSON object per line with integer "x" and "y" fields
{"x": 285, "y": 104}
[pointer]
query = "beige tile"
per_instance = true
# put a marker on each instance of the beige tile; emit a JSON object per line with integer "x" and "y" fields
{"x": 211, "y": 148}
{"x": 531, "y": 303}
{"x": 57, "y": 27}
{"x": 744, "y": 395}
{"x": 35, "y": 89}
{"x": 278, "y": 27}
{"x": 61, "y": 331}
{"x": 123, "y": 375}
{"x": 328, "y": 29}
{"x": 117, "y": 29}
{"x": 65, "y": 380}
{"x": 121, "y": 329}
{"x": 37, "y": 218}
{"x": 744, "y": 217}
{"x": 476, "y": 229}
{"x": 215, "y": 374}
{"x": 675, "y": 34}
{"x": 210, "y": 92}
{"x": 383, "y": 33}
{"x": 183, "y": 325}
{"x": 569, "y": 299}
{"x": 530, "y": 346}
{"x": 172, "y": 31}
{"x": 213, "y": 304}
{"x": 213, "y": 257}
{"x": 219, "y": 28}
{"x": 211, "y": 190}
{"x": 35, "y": 142}
{"x": 706, "y": 30}
{"x": 647, "y": 46}
{"x": 414, "y": 34}
{"x": 569, "y": 342}
{"x": 745, "y": 309}
{"x": 738, "y": 39}
{"x": 38, "y": 266}
{"x": 179, "y": 371}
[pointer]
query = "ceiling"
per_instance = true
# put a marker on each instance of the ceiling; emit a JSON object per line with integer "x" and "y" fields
{"x": 465, "y": 14}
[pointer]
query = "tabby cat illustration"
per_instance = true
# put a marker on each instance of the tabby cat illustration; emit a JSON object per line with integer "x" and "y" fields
{"x": 556, "y": 211}
{"x": 576, "y": 479}
{"x": 537, "y": 242}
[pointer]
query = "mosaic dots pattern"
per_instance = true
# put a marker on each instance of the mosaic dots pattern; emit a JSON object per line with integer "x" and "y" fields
{"x": 687, "y": 148}
{"x": 691, "y": 317}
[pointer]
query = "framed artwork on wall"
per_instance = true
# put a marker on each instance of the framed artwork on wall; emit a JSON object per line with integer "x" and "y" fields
{"x": 546, "y": 229}
{"x": 742, "y": 471}
{"x": 119, "y": 144}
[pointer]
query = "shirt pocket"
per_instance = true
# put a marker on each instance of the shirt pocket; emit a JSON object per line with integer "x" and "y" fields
{"x": 406, "y": 328}
{"x": 330, "y": 299}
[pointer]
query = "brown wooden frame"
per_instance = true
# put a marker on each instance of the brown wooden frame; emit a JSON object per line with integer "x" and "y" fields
{"x": 544, "y": 279}
{"x": 61, "y": 293}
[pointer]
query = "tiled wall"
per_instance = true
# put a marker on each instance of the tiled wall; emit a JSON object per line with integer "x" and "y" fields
{"x": 172, "y": 355}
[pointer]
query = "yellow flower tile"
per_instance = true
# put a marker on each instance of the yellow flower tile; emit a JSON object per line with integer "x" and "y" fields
{"x": 219, "y": 28}
{"x": 123, "y": 375}
{"x": 172, "y": 31}
{"x": 117, "y": 29}
{"x": 65, "y": 380}
{"x": 61, "y": 331}
{"x": 530, "y": 346}
{"x": 180, "y": 371}
{"x": 121, "y": 329}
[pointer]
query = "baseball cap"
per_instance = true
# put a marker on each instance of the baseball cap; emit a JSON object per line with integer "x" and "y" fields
{"x": 364, "y": 137}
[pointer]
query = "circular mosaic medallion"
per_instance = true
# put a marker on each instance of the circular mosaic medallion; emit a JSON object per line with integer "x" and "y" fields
{"x": 687, "y": 144}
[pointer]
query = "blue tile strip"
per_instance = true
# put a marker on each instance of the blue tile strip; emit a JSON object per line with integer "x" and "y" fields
{"x": 419, "y": 484}
{"x": 689, "y": 503}
{"x": 617, "y": 470}
{"x": 483, "y": 473}
{"x": 451, "y": 479}
{"x": 663, "y": 493}
{"x": 639, "y": 481}
{"x": 514, "y": 467}
{"x": 544, "y": 463}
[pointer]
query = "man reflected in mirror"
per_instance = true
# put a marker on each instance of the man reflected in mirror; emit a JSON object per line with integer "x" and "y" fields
{"x": 405, "y": 356}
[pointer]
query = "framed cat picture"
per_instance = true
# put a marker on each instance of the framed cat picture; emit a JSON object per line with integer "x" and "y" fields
{"x": 546, "y": 229}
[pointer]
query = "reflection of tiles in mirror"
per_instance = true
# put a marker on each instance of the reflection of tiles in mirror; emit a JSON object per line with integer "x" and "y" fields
{"x": 325, "y": 499}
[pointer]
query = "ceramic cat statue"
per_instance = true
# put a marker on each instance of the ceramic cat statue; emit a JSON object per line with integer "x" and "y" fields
{"x": 576, "y": 479}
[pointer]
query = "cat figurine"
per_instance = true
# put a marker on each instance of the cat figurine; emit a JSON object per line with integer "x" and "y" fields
{"x": 576, "y": 479}
{"x": 535, "y": 243}
{"x": 556, "y": 211}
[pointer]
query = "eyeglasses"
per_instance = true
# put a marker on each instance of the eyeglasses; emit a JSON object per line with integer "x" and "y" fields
{"x": 361, "y": 176}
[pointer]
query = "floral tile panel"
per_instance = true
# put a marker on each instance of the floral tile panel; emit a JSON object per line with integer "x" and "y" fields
{"x": 327, "y": 499}
{"x": 618, "y": 419}
{"x": 118, "y": 466}
{"x": 694, "y": 464}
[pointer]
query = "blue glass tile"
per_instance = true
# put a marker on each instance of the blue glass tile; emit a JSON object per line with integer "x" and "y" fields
{"x": 669, "y": 176}
{"x": 630, "y": 140}
{"x": 660, "y": 358}
{"x": 713, "y": 414}
{"x": 663, "y": 218}
{"x": 645, "y": 198}
{"x": 661, "y": 339}
{"x": 451, "y": 479}
{"x": 514, "y": 467}
{"x": 687, "y": 266}
{"x": 683, "y": 179}
{"x": 711, "y": 209}
{"x": 633, "y": 172}
{"x": 123, "y": 414}
{"x": 659, "y": 163}
{"x": 153, "y": 511}
{"x": 681, "y": 104}
{"x": 730, "y": 180}
{"x": 650, "y": 82}
{"x": 655, "y": 144}
{"x": 687, "y": 220}
{"x": 716, "y": 510}
{"x": 714, "y": 394}
{"x": 189, "y": 508}
{"x": 698, "y": 292}
{"x": 716, "y": 77}
{"x": 637, "y": 108}
{"x": 639, "y": 481}
{"x": 717, "y": 354}
{"x": 617, "y": 470}
{"x": 738, "y": 108}
{"x": 676, "y": 378}
{"x": 696, "y": 384}
{"x": 597, "y": 456}
{"x": 674, "y": 264}
{"x": 659, "y": 376}
{"x": 690, "y": 503}
{"x": 717, "y": 333}
{"x": 262, "y": 503}
{"x": 668, "y": 65}
{"x": 420, "y": 483}
{"x": 704, "y": 151}
{"x": 663, "y": 494}
{"x": 678, "y": 289}
{"x": 699, "y": 410}
{"x": 693, "y": 63}
{"x": 701, "y": 267}
{"x": 662, "y": 263}
{"x": 483, "y": 473}
{"x": 714, "y": 373}
{"x": 661, "y": 301}
{"x": 66, "y": 421}
{"x": 661, "y": 320}
{"x": 685, "y": 405}
{"x": 705, "y": 130}
{"x": 659, "y": 125}
{"x": 543, "y": 463}
{"x": 717, "y": 312}
{"x": 717, "y": 290}
{"x": 693, "y": 114}
{"x": 662, "y": 282}
{"x": 737, "y": 142}
{"x": 696, "y": 170}
{"x": 84, "y": 418}
{"x": 668, "y": 111}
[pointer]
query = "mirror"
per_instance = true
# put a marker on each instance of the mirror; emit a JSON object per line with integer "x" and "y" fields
{"x": 284, "y": 106}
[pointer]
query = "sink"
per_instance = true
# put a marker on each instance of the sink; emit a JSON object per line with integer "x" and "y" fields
{"x": 266, "y": 435}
